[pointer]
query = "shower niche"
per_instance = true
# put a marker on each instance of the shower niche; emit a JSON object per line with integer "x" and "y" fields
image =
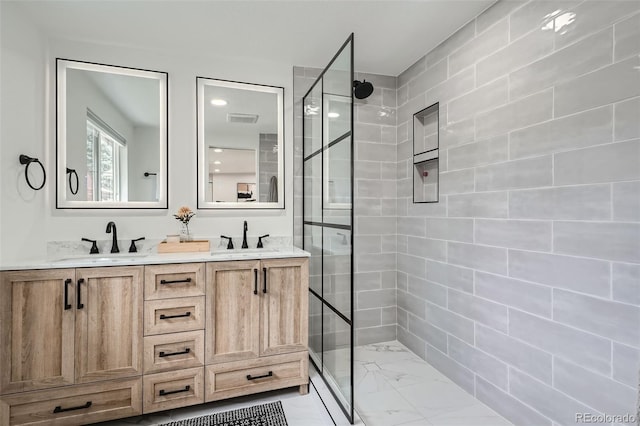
{"x": 426, "y": 142}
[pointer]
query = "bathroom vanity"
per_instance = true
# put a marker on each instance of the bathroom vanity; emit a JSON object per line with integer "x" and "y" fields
{"x": 81, "y": 342}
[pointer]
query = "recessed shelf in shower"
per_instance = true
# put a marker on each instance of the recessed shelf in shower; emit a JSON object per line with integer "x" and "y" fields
{"x": 426, "y": 153}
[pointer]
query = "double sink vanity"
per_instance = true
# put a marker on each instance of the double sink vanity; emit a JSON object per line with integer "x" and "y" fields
{"x": 96, "y": 337}
{"x": 90, "y": 338}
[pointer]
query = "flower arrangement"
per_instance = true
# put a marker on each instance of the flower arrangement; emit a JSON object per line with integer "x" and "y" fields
{"x": 184, "y": 215}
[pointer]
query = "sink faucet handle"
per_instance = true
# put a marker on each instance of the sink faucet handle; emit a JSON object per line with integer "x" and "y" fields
{"x": 260, "y": 240}
{"x": 132, "y": 247}
{"x": 94, "y": 246}
{"x": 230, "y": 244}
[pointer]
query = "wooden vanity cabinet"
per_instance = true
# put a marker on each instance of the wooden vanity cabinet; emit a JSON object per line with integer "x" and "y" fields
{"x": 92, "y": 344}
{"x": 62, "y": 328}
{"x": 174, "y": 336}
{"x": 36, "y": 329}
{"x": 256, "y": 333}
{"x": 108, "y": 323}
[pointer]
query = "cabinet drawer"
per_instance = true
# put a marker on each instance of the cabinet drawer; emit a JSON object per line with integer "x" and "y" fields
{"x": 165, "y": 352}
{"x": 250, "y": 376}
{"x": 74, "y": 405}
{"x": 173, "y": 315}
{"x": 176, "y": 280}
{"x": 173, "y": 389}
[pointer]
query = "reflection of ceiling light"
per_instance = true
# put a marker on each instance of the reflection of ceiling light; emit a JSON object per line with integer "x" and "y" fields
{"x": 218, "y": 102}
{"x": 558, "y": 21}
{"x": 333, "y": 115}
{"x": 217, "y": 162}
{"x": 217, "y": 170}
{"x": 217, "y": 150}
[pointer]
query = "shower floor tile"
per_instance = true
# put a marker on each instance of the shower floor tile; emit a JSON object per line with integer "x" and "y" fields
{"x": 393, "y": 386}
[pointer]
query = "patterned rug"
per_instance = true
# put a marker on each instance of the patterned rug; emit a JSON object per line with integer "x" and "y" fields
{"x": 270, "y": 414}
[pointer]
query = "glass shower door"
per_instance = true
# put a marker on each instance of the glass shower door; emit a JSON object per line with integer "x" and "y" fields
{"x": 328, "y": 222}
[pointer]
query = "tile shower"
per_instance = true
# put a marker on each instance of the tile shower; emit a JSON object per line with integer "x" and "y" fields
{"x": 522, "y": 285}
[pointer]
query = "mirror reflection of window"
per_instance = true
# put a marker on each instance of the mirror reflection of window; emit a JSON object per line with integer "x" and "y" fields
{"x": 106, "y": 161}
{"x": 112, "y": 132}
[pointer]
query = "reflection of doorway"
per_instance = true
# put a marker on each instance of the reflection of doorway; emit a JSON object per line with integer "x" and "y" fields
{"x": 233, "y": 175}
{"x": 246, "y": 192}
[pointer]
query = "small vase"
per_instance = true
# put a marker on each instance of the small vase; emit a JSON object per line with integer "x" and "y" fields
{"x": 185, "y": 235}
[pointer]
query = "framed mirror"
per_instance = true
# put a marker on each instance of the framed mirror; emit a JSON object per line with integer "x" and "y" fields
{"x": 240, "y": 145}
{"x": 112, "y": 138}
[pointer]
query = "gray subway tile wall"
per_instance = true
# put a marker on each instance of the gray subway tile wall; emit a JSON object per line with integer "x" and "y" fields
{"x": 539, "y": 208}
{"x": 522, "y": 284}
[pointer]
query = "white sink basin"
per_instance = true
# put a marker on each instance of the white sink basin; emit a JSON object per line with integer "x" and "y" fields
{"x": 102, "y": 258}
{"x": 249, "y": 252}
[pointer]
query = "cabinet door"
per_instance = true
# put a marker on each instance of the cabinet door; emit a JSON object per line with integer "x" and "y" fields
{"x": 233, "y": 308}
{"x": 108, "y": 323}
{"x": 284, "y": 312}
{"x": 36, "y": 329}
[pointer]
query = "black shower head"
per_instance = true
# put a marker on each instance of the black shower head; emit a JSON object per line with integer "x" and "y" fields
{"x": 362, "y": 89}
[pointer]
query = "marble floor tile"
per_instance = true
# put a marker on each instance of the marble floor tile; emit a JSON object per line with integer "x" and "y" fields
{"x": 386, "y": 408}
{"x": 393, "y": 386}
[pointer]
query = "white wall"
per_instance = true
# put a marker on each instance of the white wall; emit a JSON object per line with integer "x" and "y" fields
{"x": 28, "y": 220}
{"x": 143, "y": 156}
{"x": 22, "y": 121}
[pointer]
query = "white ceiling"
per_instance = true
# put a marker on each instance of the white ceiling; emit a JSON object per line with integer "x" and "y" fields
{"x": 137, "y": 98}
{"x": 264, "y": 105}
{"x": 390, "y": 35}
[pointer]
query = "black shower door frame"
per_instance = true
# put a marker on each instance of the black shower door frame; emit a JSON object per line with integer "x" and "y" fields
{"x": 348, "y": 411}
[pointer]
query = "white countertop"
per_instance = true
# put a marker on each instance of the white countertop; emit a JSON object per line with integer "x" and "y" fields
{"x": 128, "y": 259}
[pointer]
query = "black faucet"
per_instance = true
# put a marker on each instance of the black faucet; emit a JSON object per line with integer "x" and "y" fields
{"x": 230, "y": 244}
{"x": 244, "y": 236}
{"x": 260, "y": 241}
{"x": 114, "y": 241}
{"x": 94, "y": 246}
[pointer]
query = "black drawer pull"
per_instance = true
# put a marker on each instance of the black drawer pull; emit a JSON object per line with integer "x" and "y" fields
{"x": 67, "y": 305}
{"x": 269, "y": 374}
{"x": 164, "y": 392}
{"x": 163, "y": 316}
{"x": 165, "y": 354}
{"x": 264, "y": 277}
{"x": 78, "y": 289}
{"x": 186, "y": 280}
{"x": 255, "y": 281}
{"x": 59, "y": 408}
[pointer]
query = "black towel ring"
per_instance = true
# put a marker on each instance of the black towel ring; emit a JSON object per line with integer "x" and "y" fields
{"x": 25, "y": 159}
{"x": 72, "y": 172}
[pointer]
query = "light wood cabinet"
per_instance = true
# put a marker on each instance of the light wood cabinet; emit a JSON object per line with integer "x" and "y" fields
{"x": 165, "y": 352}
{"x": 174, "y": 280}
{"x": 233, "y": 311}
{"x": 284, "y": 311}
{"x": 256, "y": 314}
{"x": 173, "y": 315}
{"x": 75, "y": 405}
{"x": 238, "y": 378}
{"x": 92, "y": 344}
{"x": 173, "y": 389}
{"x": 36, "y": 330}
{"x": 108, "y": 323}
